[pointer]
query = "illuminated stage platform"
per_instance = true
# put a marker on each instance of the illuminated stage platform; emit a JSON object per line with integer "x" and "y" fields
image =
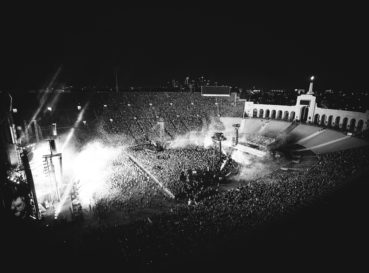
{"x": 251, "y": 149}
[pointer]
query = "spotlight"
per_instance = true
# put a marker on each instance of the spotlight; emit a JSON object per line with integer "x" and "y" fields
{"x": 105, "y": 106}
{"x": 312, "y": 78}
{"x": 79, "y": 107}
{"x": 53, "y": 129}
{"x": 49, "y": 109}
{"x": 111, "y": 120}
{"x": 129, "y": 105}
{"x": 84, "y": 122}
{"x": 15, "y": 110}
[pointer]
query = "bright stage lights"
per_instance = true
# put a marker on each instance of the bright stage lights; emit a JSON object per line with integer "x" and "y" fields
{"x": 71, "y": 132}
{"x": 63, "y": 198}
{"x": 53, "y": 129}
{"x": 49, "y": 109}
{"x": 45, "y": 96}
{"x": 312, "y": 78}
{"x": 91, "y": 167}
{"x": 15, "y": 110}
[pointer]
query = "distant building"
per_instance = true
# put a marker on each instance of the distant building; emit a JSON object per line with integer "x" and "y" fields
{"x": 306, "y": 110}
{"x": 277, "y": 91}
{"x": 174, "y": 84}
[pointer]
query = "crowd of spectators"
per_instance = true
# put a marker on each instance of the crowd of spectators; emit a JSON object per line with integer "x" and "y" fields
{"x": 128, "y": 191}
{"x": 138, "y": 113}
{"x": 185, "y": 227}
{"x": 350, "y": 101}
{"x": 190, "y": 174}
{"x": 168, "y": 165}
{"x": 281, "y": 97}
{"x": 179, "y": 227}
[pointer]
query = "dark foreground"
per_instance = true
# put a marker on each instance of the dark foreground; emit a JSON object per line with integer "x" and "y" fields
{"x": 332, "y": 234}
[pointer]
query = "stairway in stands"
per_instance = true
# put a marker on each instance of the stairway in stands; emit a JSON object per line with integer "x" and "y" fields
{"x": 289, "y": 129}
{"x": 282, "y": 136}
{"x": 305, "y": 139}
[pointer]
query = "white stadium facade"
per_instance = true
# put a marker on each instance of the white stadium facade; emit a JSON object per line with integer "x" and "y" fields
{"x": 307, "y": 111}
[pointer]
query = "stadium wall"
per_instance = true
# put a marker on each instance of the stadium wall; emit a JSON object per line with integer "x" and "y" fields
{"x": 306, "y": 110}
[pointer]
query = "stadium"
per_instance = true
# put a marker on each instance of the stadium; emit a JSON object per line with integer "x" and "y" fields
{"x": 147, "y": 178}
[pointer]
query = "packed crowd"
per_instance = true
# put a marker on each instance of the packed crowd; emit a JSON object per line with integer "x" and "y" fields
{"x": 176, "y": 228}
{"x": 185, "y": 227}
{"x": 188, "y": 173}
{"x": 138, "y": 113}
{"x": 128, "y": 191}
{"x": 351, "y": 101}
{"x": 170, "y": 163}
{"x": 287, "y": 97}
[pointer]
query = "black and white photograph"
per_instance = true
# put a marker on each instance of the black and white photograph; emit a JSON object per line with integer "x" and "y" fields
{"x": 184, "y": 139}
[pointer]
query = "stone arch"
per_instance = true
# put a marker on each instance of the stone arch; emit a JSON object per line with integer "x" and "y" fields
{"x": 285, "y": 115}
{"x": 267, "y": 113}
{"x": 330, "y": 119}
{"x": 304, "y": 113}
{"x": 255, "y": 113}
{"x": 279, "y": 114}
{"x": 292, "y": 115}
{"x": 352, "y": 124}
{"x": 261, "y": 113}
{"x": 337, "y": 122}
{"x": 344, "y": 123}
{"x": 323, "y": 120}
{"x": 316, "y": 119}
{"x": 273, "y": 114}
{"x": 360, "y": 125}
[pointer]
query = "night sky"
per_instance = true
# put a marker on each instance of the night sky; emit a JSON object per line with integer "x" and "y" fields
{"x": 150, "y": 46}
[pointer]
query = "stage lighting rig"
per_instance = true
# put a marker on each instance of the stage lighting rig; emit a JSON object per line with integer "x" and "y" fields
{"x": 219, "y": 137}
{"x": 54, "y": 171}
